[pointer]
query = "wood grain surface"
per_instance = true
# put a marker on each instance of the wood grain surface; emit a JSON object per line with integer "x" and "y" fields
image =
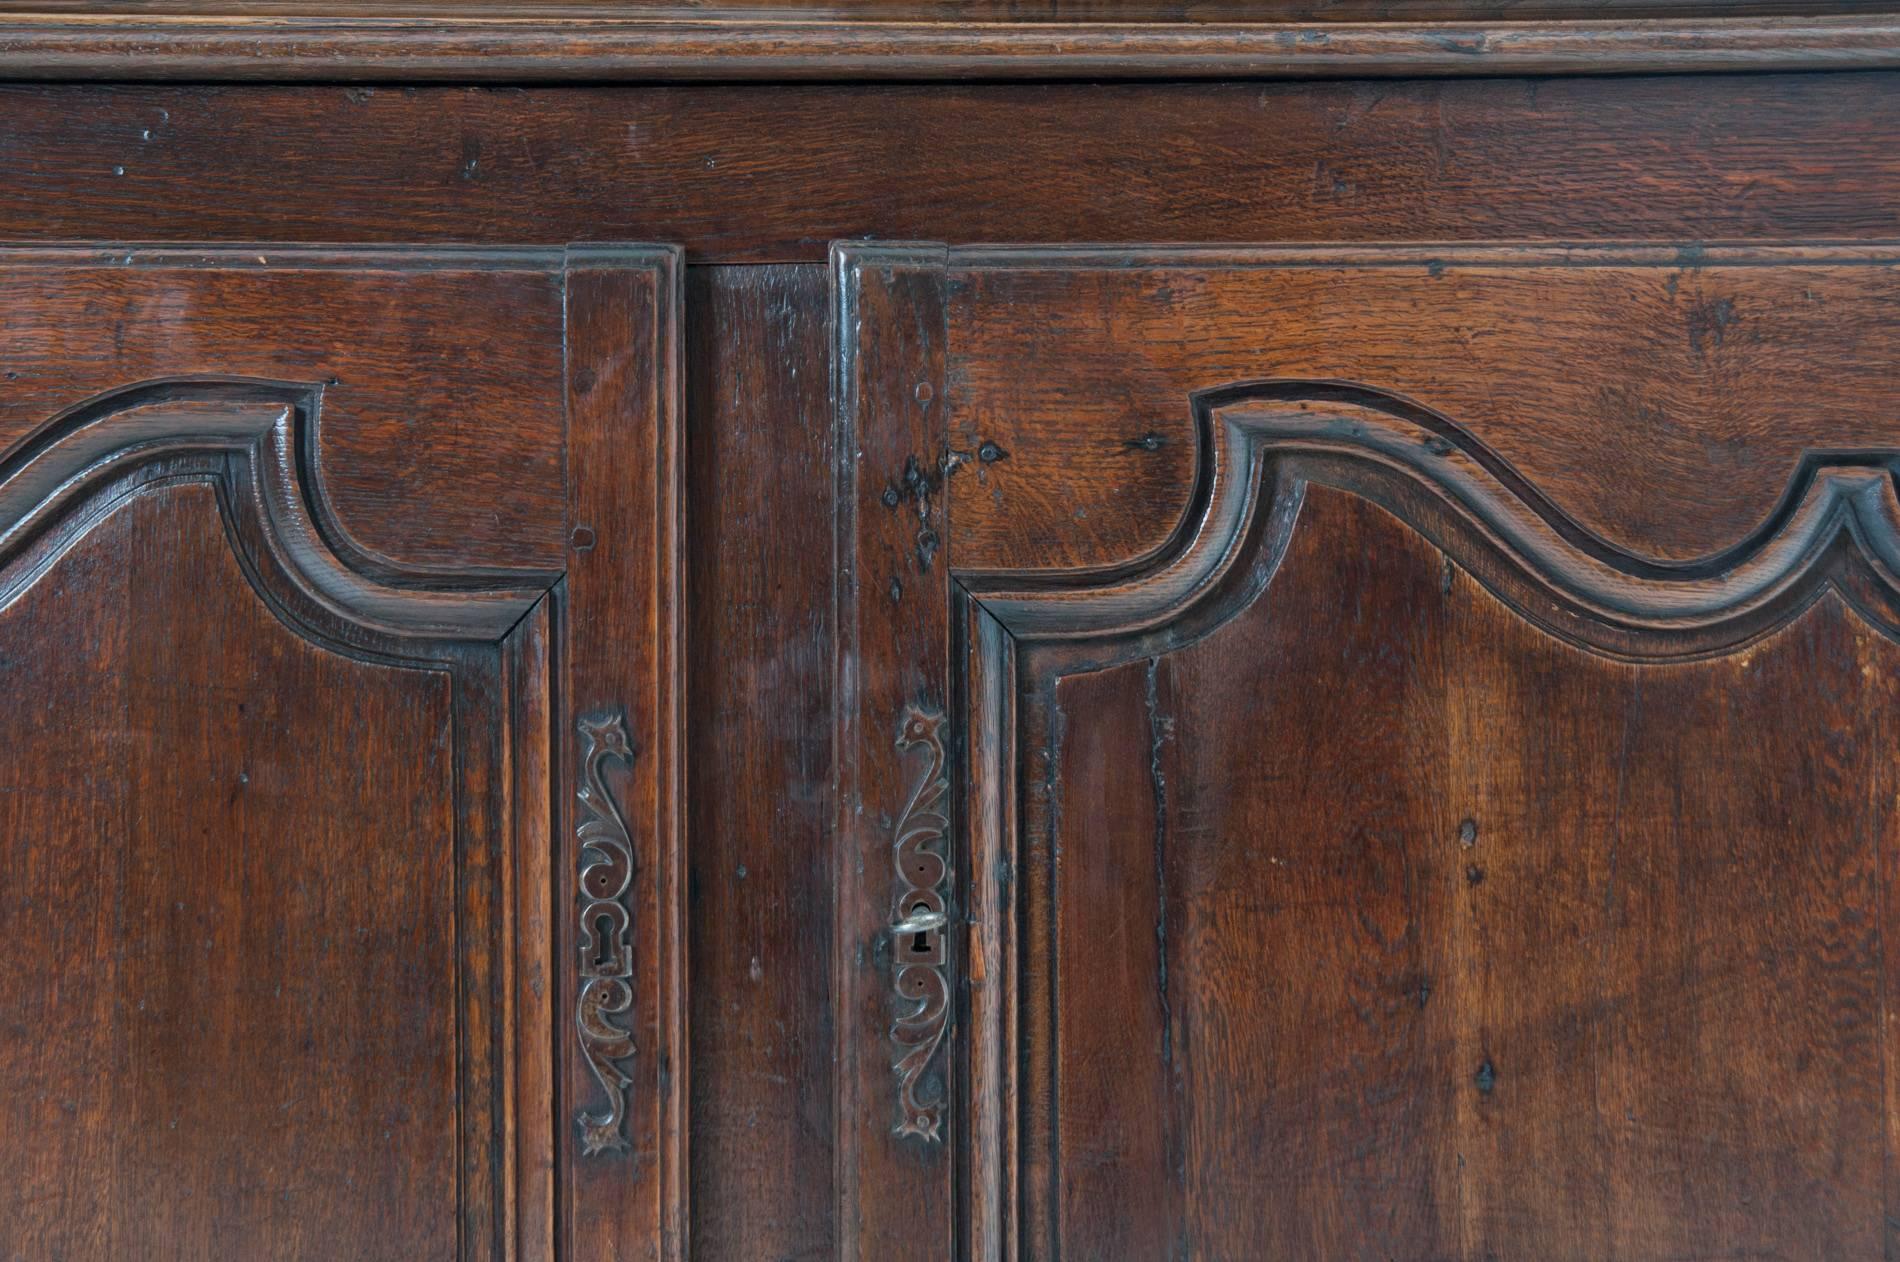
{"x": 230, "y": 992}
{"x": 621, "y": 1105}
{"x": 1425, "y": 934}
{"x": 1312, "y": 682}
{"x": 760, "y": 760}
{"x": 439, "y": 426}
{"x": 312, "y": 777}
{"x": 1676, "y": 160}
{"x": 1613, "y": 380}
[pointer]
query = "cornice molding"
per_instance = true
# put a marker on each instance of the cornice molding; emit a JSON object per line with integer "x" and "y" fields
{"x": 51, "y": 47}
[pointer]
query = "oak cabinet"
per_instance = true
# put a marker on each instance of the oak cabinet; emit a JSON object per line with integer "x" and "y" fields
{"x": 589, "y": 678}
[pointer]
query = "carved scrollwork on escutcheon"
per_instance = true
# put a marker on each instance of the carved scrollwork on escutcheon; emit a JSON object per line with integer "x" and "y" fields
{"x": 606, "y": 930}
{"x": 919, "y": 961}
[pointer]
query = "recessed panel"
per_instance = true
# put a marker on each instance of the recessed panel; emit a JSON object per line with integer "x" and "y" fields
{"x": 231, "y": 932}
{"x": 1389, "y": 923}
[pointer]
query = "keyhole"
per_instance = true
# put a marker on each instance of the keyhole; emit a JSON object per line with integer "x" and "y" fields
{"x": 603, "y": 930}
{"x": 919, "y": 941}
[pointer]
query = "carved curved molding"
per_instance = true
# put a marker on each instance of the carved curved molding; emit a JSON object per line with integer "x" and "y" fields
{"x": 1261, "y": 443}
{"x": 258, "y": 440}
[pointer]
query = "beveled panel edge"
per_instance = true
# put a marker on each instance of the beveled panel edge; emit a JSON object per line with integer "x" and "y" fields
{"x": 55, "y": 47}
{"x": 264, "y": 256}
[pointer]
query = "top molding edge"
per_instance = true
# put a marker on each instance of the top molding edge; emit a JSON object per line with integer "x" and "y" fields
{"x": 285, "y": 49}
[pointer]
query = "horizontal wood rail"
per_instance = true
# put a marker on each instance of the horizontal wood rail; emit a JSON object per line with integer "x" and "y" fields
{"x": 142, "y": 47}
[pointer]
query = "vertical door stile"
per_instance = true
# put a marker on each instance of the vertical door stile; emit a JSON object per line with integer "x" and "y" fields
{"x": 622, "y": 1028}
{"x": 896, "y": 965}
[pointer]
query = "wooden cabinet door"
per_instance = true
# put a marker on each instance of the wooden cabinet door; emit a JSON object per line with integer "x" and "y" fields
{"x": 1370, "y": 753}
{"x": 336, "y": 648}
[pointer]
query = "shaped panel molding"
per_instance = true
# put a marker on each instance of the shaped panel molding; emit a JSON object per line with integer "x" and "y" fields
{"x": 256, "y": 439}
{"x": 1836, "y": 526}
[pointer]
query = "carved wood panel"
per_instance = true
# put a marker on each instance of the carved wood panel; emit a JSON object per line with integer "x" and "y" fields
{"x": 285, "y": 952}
{"x": 288, "y": 788}
{"x": 1384, "y": 858}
